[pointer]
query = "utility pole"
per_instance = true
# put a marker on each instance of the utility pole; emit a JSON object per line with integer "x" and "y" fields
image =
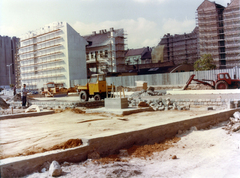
{"x": 9, "y": 73}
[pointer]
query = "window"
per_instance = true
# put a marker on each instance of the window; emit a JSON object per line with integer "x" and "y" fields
{"x": 87, "y": 56}
{"x": 101, "y": 54}
{"x": 101, "y": 77}
{"x": 92, "y": 56}
{"x": 106, "y": 53}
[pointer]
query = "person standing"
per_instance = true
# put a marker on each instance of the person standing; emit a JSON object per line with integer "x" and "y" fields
{"x": 14, "y": 90}
{"x": 24, "y": 92}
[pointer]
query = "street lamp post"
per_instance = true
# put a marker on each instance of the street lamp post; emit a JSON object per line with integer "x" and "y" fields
{"x": 9, "y": 74}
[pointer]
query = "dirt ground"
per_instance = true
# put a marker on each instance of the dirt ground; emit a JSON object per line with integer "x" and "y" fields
{"x": 31, "y": 135}
{"x": 192, "y": 154}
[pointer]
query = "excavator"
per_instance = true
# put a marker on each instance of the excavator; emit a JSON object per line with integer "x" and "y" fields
{"x": 223, "y": 81}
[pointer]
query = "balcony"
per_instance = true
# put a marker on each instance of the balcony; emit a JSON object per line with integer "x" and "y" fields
{"x": 39, "y": 42}
{"x": 53, "y": 31}
{"x": 49, "y": 54}
{"x": 41, "y": 63}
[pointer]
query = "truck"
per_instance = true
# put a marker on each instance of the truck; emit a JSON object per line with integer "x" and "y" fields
{"x": 96, "y": 88}
{"x": 223, "y": 81}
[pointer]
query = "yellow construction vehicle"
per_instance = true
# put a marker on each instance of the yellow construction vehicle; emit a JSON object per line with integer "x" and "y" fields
{"x": 53, "y": 89}
{"x": 96, "y": 87}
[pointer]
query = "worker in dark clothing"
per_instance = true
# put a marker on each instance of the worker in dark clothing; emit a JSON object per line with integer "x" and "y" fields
{"x": 24, "y": 92}
{"x": 14, "y": 90}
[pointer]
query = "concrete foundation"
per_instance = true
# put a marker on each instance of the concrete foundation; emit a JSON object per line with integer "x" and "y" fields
{"x": 14, "y": 116}
{"x": 109, "y": 144}
{"x": 123, "y": 112}
{"x": 116, "y": 103}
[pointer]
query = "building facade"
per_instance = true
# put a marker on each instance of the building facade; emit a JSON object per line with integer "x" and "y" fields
{"x": 180, "y": 48}
{"x": 231, "y": 16}
{"x": 211, "y": 31}
{"x": 53, "y": 53}
{"x": 105, "y": 51}
{"x": 7, "y": 60}
{"x": 219, "y": 31}
{"x": 138, "y": 56}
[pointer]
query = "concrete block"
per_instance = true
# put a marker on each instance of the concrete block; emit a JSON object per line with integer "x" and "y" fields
{"x": 116, "y": 103}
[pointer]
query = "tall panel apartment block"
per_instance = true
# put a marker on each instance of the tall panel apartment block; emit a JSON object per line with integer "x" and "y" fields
{"x": 54, "y": 53}
{"x": 232, "y": 33}
{"x": 7, "y": 57}
{"x": 211, "y": 32}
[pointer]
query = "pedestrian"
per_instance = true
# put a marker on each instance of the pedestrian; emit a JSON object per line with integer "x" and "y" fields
{"x": 14, "y": 90}
{"x": 24, "y": 92}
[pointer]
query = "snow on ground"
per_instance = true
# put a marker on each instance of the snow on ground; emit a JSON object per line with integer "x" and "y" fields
{"x": 200, "y": 153}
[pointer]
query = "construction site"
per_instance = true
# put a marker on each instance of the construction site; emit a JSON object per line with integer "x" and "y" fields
{"x": 80, "y": 122}
{"x": 136, "y": 123}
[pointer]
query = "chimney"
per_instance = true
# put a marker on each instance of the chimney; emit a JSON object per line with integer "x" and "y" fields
{"x": 111, "y": 29}
{"x": 94, "y": 32}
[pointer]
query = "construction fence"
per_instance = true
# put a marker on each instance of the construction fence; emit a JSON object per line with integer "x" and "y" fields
{"x": 164, "y": 79}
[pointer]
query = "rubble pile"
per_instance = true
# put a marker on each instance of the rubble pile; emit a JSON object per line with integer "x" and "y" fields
{"x": 3, "y": 104}
{"x": 149, "y": 92}
{"x": 17, "y": 97}
{"x": 234, "y": 124}
{"x": 158, "y": 104}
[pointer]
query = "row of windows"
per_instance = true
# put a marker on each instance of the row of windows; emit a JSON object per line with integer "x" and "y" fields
{"x": 93, "y": 55}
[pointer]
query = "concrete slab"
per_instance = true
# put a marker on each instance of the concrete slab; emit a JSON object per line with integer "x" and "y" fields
{"x": 109, "y": 144}
{"x": 125, "y": 111}
{"x": 20, "y": 115}
{"x": 182, "y": 92}
{"x": 118, "y": 103}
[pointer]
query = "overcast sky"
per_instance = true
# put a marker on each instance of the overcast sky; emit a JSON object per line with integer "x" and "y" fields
{"x": 144, "y": 21}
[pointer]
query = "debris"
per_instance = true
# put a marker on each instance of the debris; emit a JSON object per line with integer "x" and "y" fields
{"x": 234, "y": 124}
{"x": 174, "y": 157}
{"x": 143, "y": 104}
{"x": 33, "y": 108}
{"x": 3, "y": 104}
{"x": 55, "y": 169}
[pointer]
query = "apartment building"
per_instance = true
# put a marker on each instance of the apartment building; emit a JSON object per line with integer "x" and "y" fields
{"x": 180, "y": 48}
{"x": 211, "y": 31}
{"x": 53, "y": 53}
{"x": 231, "y": 19}
{"x": 105, "y": 51}
{"x": 7, "y": 60}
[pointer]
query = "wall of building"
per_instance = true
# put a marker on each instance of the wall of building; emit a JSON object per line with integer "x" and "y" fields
{"x": 106, "y": 54}
{"x": 46, "y": 55}
{"x": 232, "y": 33}
{"x": 211, "y": 34}
{"x": 77, "y": 66}
{"x": 181, "y": 48}
{"x": 7, "y": 57}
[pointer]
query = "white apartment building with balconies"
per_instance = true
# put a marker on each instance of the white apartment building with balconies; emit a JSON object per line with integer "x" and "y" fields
{"x": 53, "y": 53}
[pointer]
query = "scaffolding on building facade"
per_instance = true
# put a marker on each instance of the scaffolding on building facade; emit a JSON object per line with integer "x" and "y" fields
{"x": 232, "y": 35}
{"x": 41, "y": 57}
{"x": 181, "y": 48}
